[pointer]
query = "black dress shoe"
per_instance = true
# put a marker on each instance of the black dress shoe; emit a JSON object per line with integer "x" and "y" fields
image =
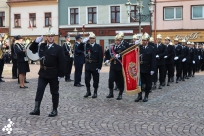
{"x": 25, "y": 87}
{"x": 154, "y": 87}
{"x": 183, "y": 79}
{"x": 110, "y": 94}
{"x": 53, "y": 113}
{"x": 14, "y": 77}
{"x": 87, "y": 94}
{"x": 150, "y": 91}
{"x": 22, "y": 87}
{"x": 115, "y": 88}
{"x": 94, "y": 95}
{"x": 168, "y": 84}
{"x": 81, "y": 84}
{"x": 2, "y": 77}
{"x": 77, "y": 85}
{"x": 179, "y": 79}
{"x": 26, "y": 81}
{"x": 119, "y": 97}
{"x": 160, "y": 87}
{"x": 2, "y": 80}
{"x": 36, "y": 111}
{"x": 163, "y": 84}
{"x": 69, "y": 80}
{"x": 176, "y": 80}
{"x": 145, "y": 99}
{"x": 139, "y": 97}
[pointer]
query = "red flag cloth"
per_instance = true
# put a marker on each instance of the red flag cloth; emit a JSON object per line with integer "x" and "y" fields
{"x": 131, "y": 71}
{"x": 31, "y": 25}
{"x": 83, "y": 27}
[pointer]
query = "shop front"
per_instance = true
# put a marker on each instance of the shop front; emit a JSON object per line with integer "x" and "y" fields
{"x": 196, "y": 36}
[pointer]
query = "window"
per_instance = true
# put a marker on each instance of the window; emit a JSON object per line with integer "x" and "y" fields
{"x": 115, "y": 14}
{"x": 2, "y": 19}
{"x": 17, "y": 19}
{"x": 134, "y": 13}
{"x": 197, "y": 12}
{"x": 92, "y": 15}
{"x": 173, "y": 13}
{"x": 32, "y": 19}
{"x": 48, "y": 19}
{"x": 74, "y": 16}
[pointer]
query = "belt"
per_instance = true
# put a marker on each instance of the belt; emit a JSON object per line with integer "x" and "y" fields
{"x": 144, "y": 62}
{"x": 45, "y": 68}
{"x": 90, "y": 61}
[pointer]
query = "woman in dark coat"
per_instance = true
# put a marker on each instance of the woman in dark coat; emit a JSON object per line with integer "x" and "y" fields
{"x": 22, "y": 60}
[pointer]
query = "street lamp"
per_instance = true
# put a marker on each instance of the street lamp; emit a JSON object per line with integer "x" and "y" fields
{"x": 140, "y": 17}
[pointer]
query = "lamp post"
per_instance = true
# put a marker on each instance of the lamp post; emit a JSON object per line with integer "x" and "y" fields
{"x": 140, "y": 17}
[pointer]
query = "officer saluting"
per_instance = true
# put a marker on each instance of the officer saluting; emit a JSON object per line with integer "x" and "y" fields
{"x": 115, "y": 73}
{"x": 93, "y": 63}
{"x": 123, "y": 42}
{"x": 68, "y": 52}
{"x": 52, "y": 67}
{"x": 147, "y": 66}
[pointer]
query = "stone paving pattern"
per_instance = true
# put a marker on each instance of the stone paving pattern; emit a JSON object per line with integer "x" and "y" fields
{"x": 177, "y": 110}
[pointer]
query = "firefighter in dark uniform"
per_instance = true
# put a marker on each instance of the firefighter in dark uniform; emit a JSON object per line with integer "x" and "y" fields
{"x": 52, "y": 68}
{"x": 115, "y": 73}
{"x": 184, "y": 66}
{"x": 190, "y": 59}
{"x": 169, "y": 60}
{"x": 93, "y": 63}
{"x": 68, "y": 52}
{"x": 147, "y": 67}
{"x": 161, "y": 51}
{"x": 79, "y": 60}
{"x": 178, "y": 59}
{"x": 199, "y": 58}
{"x": 195, "y": 58}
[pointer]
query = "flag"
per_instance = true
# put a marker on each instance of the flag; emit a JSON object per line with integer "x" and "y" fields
{"x": 31, "y": 25}
{"x": 131, "y": 71}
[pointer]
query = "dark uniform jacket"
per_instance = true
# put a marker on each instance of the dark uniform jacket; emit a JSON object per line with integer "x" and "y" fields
{"x": 126, "y": 44}
{"x": 185, "y": 52}
{"x": 196, "y": 54}
{"x": 179, "y": 53}
{"x": 147, "y": 59}
{"x": 52, "y": 57}
{"x": 67, "y": 49}
{"x": 18, "y": 48}
{"x": 170, "y": 54}
{"x": 115, "y": 64}
{"x": 161, "y": 50}
{"x": 191, "y": 55}
{"x": 13, "y": 54}
{"x": 79, "y": 57}
{"x": 93, "y": 57}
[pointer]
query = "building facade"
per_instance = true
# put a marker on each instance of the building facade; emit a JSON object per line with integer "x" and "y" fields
{"x": 32, "y": 18}
{"x": 182, "y": 19}
{"x": 4, "y": 18}
{"x": 104, "y": 18}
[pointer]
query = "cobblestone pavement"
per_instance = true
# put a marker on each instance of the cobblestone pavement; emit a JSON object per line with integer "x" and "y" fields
{"x": 177, "y": 110}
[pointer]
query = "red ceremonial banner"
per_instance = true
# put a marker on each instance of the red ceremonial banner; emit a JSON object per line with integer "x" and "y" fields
{"x": 131, "y": 71}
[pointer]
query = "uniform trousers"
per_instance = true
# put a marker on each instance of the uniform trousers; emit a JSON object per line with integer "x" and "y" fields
{"x": 202, "y": 64}
{"x": 190, "y": 66}
{"x": 194, "y": 68}
{"x": 14, "y": 68}
{"x": 95, "y": 75}
{"x": 117, "y": 76}
{"x": 184, "y": 69}
{"x": 170, "y": 69}
{"x": 161, "y": 69}
{"x": 54, "y": 90}
{"x": 68, "y": 69}
{"x": 77, "y": 73}
{"x": 146, "y": 79}
{"x": 1, "y": 66}
{"x": 178, "y": 70}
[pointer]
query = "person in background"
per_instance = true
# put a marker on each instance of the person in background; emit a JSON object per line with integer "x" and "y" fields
{"x": 14, "y": 60}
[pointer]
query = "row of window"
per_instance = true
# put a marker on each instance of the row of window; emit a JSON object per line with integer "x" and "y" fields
{"x": 32, "y": 20}
{"x": 176, "y": 13}
{"x": 92, "y": 14}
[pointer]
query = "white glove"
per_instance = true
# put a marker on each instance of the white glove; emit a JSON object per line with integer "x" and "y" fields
{"x": 175, "y": 58}
{"x": 85, "y": 39}
{"x": 165, "y": 57}
{"x": 106, "y": 61}
{"x": 39, "y": 39}
{"x": 193, "y": 62}
{"x": 98, "y": 70}
{"x": 59, "y": 78}
{"x": 137, "y": 41}
{"x": 184, "y": 60}
{"x": 152, "y": 72}
{"x": 117, "y": 56}
{"x": 199, "y": 57}
{"x": 157, "y": 56}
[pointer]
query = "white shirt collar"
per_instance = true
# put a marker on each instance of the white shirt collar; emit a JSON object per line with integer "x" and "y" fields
{"x": 93, "y": 44}
{"x": 49, "y": 45}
